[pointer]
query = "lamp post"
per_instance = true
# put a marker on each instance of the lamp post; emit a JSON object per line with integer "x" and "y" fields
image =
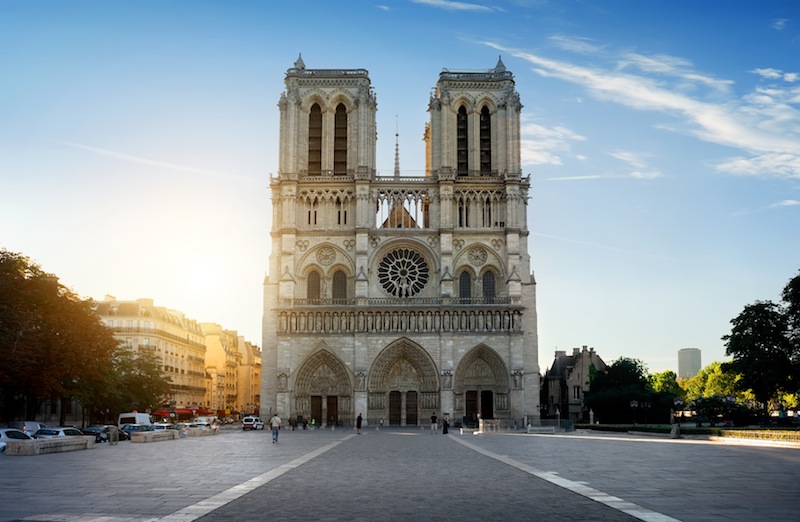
{"x": 634, "y": 405}
{"x": 678, "y": 408}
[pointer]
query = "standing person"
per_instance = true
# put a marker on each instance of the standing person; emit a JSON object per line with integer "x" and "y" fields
{"x": 445, "y": 425}
{"x": 434, "y": 423}
{"x": 358, "y": 424}
{"x": 275, "y": 424}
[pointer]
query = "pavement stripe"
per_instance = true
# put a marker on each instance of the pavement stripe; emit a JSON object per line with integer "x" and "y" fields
{"x": 582, "y": 489}
{"x": 204, "y": 507}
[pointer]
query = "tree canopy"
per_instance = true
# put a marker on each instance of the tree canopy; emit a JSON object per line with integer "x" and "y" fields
{"x": 53, "y": 347}
{"x": 765, "y": 345}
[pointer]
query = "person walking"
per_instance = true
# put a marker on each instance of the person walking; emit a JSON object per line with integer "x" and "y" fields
{"x": 434, "y": 423}
{"x": 358, "y": 424}
{"x": 275, "y": 424}
{"x": 445, "y": 425}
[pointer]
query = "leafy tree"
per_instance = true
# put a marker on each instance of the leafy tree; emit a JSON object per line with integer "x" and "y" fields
{"x": 665, "y": 382}
{"x": 611, "y": 392}
{"x": 54, "y": 347}
{"x": 711, "y": 380}
{"x": 762, "y": 351}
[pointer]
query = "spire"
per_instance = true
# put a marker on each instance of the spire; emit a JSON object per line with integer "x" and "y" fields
{"x": 299, "y": 63}
{"x": 396, "y": 149}
{"x": 500, "y": 67}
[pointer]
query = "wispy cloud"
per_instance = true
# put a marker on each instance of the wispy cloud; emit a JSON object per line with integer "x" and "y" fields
{"x": 153, "y": 163}
{"x": 541, "y": 145}
{"x": 456, "y": 6}
{"x": 779, "y": 24}
{"x": 764, "y": 124}
{"x": 638, "y": 167}
{"x": 384, "y": 7}
{"x": 575, "y": 44}
{"x": 785, "y": 203}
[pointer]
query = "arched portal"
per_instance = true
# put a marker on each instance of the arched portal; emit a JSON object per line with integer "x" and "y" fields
{"x": 403, "y": 384}
{"x": 323, "y": 390}
{"x": 481, "y": 385}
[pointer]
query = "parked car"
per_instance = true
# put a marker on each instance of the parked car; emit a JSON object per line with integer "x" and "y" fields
{"x": 60, "y": 431}
{"x": 27, "y": 427}
{"x": 7, "y": 434}
{"x": 102, "y": 432}
{"x": 130, "y": 429}
{"x": 161, "y": 426}
{"x": 252, "y": 423}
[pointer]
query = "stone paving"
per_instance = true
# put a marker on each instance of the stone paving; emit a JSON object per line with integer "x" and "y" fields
{"x": 404, "y": 474}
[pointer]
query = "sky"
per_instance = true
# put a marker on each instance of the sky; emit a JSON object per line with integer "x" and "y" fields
{"x": 662, "y": 141}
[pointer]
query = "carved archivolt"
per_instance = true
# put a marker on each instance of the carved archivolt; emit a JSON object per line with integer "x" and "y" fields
{"x": 481, "y": 368}
{"x": 403, "y": 364}
{"x": 322, "y": 374}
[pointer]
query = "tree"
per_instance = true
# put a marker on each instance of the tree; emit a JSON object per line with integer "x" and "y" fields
{"x": 611, "y": 392}
{"x": 665, "y": 382}
{"x": 762, "y": 351}
{"x": 52, "y": 345}
{"x": 711, "y": 380}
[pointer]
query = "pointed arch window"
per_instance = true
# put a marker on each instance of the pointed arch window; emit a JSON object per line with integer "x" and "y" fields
{"x": 339, "y": 285}
{"x": 340, "y": 140}
{"x": 488, "y": 286}
{"x": 486, "y": 141}
{"x": 313, "y": 286}
{"x": 462, "y": 152}
{"x": 315, "y": 140}
{"x": 465, "y": 286}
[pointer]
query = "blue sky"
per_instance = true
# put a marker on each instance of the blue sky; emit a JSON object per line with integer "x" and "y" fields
{"x": 662, "y": 140}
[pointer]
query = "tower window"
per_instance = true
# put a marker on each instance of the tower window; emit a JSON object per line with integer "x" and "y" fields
{"x": 486, "y": 141}
{"x": 340, "y": 140}
{"x": 339, "y": 285}
{"x": 462, "y": 152}
{"x": 488, "y": 286}
{"x": 315, "y": 140}
{"x": 464, "y": 285}
{"x": 313, "y": 286}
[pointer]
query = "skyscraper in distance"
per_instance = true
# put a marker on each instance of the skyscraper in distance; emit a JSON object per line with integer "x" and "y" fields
{"x": 689, "y": 362}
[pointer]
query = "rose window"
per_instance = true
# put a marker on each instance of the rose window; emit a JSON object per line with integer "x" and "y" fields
{"x": 403, "y": 273}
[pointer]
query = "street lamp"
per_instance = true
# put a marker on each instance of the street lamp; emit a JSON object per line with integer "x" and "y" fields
{"x": 678, "y": 408}
{"x": 634, "y": 405}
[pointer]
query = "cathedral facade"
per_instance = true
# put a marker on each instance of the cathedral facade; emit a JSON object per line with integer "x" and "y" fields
{"x": 396, "y": 297}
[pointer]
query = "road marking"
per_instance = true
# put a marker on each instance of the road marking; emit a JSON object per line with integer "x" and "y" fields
{"x": 580, "y": 488}
{"x": 204, "y": 507}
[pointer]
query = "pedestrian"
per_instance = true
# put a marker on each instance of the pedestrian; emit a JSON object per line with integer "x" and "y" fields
{"x": 358, "y": 424}
{"x": 445, "y": 425}
{"x": 434, "y": 423}
{"x": 275, "y": 424}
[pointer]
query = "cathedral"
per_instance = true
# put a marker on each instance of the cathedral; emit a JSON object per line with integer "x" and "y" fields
{"x": 396, "y": 297}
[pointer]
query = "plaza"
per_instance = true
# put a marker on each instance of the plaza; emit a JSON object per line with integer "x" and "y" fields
{"x": 404, "y": 474}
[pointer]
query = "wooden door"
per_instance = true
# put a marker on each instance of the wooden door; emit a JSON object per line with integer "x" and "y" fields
{"x": 316, "y": 409}
{"x": 395, "y": 408}
{"x": 333, "y": 410}
{"x": 412, "y": 417}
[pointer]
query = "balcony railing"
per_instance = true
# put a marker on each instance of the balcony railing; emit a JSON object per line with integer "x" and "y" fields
{"x": 392, "y": 302}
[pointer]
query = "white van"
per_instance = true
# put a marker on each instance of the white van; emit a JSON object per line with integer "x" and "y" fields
{"x": 133, "y": 417}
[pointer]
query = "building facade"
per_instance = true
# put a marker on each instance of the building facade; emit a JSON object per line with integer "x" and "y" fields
{"x": 211, "y": 370}
{"x": 177, "y": 340}
{"x": 689, "y": 362}
{"x": 398, "y": 296}
{"x": 566, "y": 383}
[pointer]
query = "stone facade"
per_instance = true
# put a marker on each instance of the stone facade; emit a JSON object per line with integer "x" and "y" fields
{"x": 398, "y": 296}
{"x": 177, "y": 340}
{"x": 566, "y": 383}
